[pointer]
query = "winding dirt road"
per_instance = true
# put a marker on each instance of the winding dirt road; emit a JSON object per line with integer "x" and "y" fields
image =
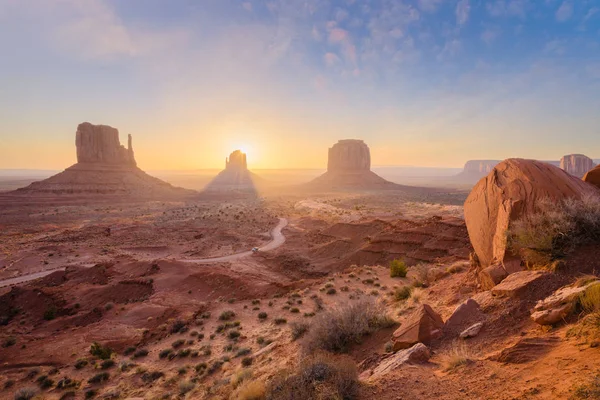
{"x": 277, "y": 240}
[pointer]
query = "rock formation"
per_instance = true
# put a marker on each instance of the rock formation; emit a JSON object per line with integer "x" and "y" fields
{"x": 235, "y": 176}
{"x": 99, "y": 144}
{"x": 349, "y": 155}
{"x": 474, "y": 170}
{"x": 593, "y": 177}
{"x": 423, "y": 325}
{"x": 349, "y": 167}
{"x": 509, "y": 192}
{"x": 576, "y": 164}
{"x": 104, "y": 167}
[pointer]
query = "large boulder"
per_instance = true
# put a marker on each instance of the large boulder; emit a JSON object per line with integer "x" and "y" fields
{"x": 419, "y": 353}
{"x": 463, "y": 316}
{"x": 517, "y": 284}
{"x": 593, "y": 177}
{"x": 576, "y": 164}
{"x": 507, "y": 193}
{"x": 423, "y": 325}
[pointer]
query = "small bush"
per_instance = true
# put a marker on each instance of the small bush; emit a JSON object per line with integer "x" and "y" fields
{"x": 339, "y": 328}
{"x": 140, "y": 353}
{"x": 294, "y": 310}
{"x": 226, "y": 315}
{"x": 398, "y": 269}
{"x": 164, "y": 353}
{"x": 178, "y": 343}
{"x": 590, "y": 299}
{"x": 50, "y": 314}
{"x": 106, "y": 364}
{"x": 99, "y": 378}
{"x": 185, "y": 387}
{"x": 402, "y": 293}
{"x": 262, "y": 315}
{"x": 253, "y": 390}
{"x": 247, "y": 361}
{"x": 178, "y": 326}
{"x": 298, "y": 329}
{"x": 80, "y": 363}
{"x": 554, "y": 230}
{"x": 44, "y": 382}
{"x": 152, "y": 376}
{"x": 129, "y": 351}
{"x": 280, "y": 321}
{"x": 591, "y": 390}
{"x": 9, "y": 341}
{"x": 26, "y": 393}
{"x": 102, "y": 352}
{"x": 320, "y": 376}
{"x": 90, "y": 393}
{"x": 331, "y": 291}
{"x": 243, "y": 352}
{"x": 234, "y": 334}
{"x": 109, "y": 306}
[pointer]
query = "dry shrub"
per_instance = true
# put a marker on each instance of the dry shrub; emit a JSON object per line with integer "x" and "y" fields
{"x": 338, "y": 328}
{"x": 591, "y": 390}
{"x": 457, "y": 355}
{"x": 590, "y": 299}
{"x": 422, "y": 276}
{"x": 584, "y": 280}
{"x": 398, "y": 268}
{"x": 554, "y": 230}
{"x": 320, "y": 377}
{"x": 253, "y": 390}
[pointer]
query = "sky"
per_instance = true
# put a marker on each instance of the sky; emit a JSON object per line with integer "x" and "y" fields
{"x": 422, "y": 82}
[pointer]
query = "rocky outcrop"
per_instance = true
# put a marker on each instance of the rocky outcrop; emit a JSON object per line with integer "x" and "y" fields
{"x": 593, "y": 177}
{"x": 558, "y": 306}
{"x": 423, "y": 325}
{"x": 509, "y": 192}
{"x": 349, "y": 155}
{"x": 480, "y": 167}
{"x": 235, "y": 176}
{"x": 349, "y": 167}
{"x": 576, "y": 164}
{"x": 236, "y": 161}
{"x": 517, "y": 284}
{"x": 104, "y": 167}
{"x": 99, "y": 144}
{"x": 419, "y": 353}
{"x": 465, "y": 315}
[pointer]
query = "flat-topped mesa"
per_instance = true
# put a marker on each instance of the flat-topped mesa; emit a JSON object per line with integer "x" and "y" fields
{"x": 483, "y": 167}
{"x": 99, "y": 144}
{"x": 236, "y": 161}
{"x": 350, "y": 155}
{"x": 576, "y": 164}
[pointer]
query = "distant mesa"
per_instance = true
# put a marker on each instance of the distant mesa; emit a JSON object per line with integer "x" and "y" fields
{"x": 105, "y": 167}
{"x": 474, "y": 170}
{"x": 235, "y": 176}
{"x": 349, "y": 166}
{"x": 576, "y": 164}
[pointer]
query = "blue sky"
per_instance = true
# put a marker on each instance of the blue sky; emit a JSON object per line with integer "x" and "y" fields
{"x": 423, "y": 82}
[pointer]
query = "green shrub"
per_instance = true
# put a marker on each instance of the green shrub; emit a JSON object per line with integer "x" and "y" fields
{"x": 226, "y": 315}
{"x": 80, "y": 363}
{"x": 402, "y": 293}
{"x": 99, "y": 378}
{"x": 106, "y": 364}
{"x": 140, "y": 353}
{"x": 102, "y": 352}
{"x": 398, "y": 268}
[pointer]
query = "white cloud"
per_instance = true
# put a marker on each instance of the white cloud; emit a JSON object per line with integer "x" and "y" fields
{"x": 489, "y": 35}
{"x": 565, "y": 11}
{"x": 503, "y": 8}
{"x": 429, "y": 5}
{"x": 462, "y": 11}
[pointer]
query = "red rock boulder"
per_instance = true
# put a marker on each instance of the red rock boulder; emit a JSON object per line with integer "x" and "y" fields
{"x": 509, "y": 192}
{"x": 593, "y": 176}
{"x": 422, "y": 326}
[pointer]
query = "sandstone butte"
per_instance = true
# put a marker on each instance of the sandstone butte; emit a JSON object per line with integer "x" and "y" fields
{"x": 510, "y": 191}
{"x": 576, "y": 164}
{"x": 349, "y": 166}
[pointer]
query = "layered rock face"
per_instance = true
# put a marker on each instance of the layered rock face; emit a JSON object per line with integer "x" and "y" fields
{"x": 349, "y": 167}
{"x": 99, "y": 144}
{"x": 349, "y": 155}
{"x": 576, "y": 164}
{"x": 104, "y": 167}
{"x": 510, "y": 191}
{"x": 593, "y": 177}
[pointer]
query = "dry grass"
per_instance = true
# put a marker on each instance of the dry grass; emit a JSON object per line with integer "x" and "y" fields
{"x": 456, "y": 356}
{"x": 591, "y": 390}
{"x": 421, "y": 272}
{"x": 253, "y": 390}
{"x": 554, "y": 230}
{"x": 585, "y": 279}
{"x": 320, "y": 376}
{"x": 590, "y": 299}
{"x": 337, "y": 329}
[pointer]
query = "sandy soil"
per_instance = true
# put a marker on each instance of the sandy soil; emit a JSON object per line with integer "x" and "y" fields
{"x": 132, "y": 291}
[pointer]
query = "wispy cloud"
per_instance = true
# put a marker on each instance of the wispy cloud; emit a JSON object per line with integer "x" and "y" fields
{"x": 463, "y": 9}
{"x": 565, "y": 11}
{"x": 429, "y": 5}
{"x": 489, "y": 35}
